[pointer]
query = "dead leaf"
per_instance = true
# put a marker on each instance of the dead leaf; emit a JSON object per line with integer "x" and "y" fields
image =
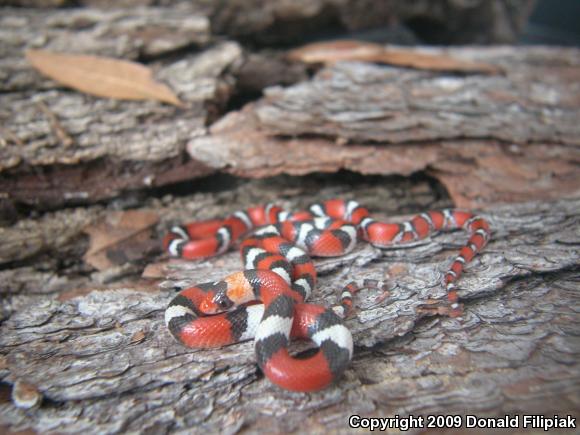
{"x": 117, "y": 232}
{"x": 335, "y": 51}
{"x": 439, "y": 62}
{"x": 138, "y": 337}
{"x": 102, "y": 76}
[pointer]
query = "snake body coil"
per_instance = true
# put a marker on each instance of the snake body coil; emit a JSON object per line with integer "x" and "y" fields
{"x": 279, "y": 272}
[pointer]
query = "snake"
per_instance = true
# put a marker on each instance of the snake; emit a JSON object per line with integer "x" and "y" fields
{"x": 266, "y": 301}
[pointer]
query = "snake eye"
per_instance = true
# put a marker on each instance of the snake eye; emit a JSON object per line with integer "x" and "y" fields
{"x": 222, "y": 301}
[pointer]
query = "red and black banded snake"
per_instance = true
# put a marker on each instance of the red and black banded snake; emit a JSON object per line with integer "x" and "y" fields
{"x": 280, "y": 274}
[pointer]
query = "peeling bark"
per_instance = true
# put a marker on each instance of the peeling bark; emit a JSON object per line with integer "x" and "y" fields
{"x": 530, "y": 102}
{"x": 465, "y": 130}
{"x": 29, "y": 237}
{"x": 140, "y": 144}
{"x": 488, "y": 139}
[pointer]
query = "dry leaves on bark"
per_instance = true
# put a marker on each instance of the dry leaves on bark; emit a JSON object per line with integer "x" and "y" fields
{"x": 120, "y": 237}
{"x": 102, "y": 76}
{"x": 336, "y": 51}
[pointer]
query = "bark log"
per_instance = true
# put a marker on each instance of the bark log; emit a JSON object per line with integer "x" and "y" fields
{"x": 488, "y": 138}
{"x": 103, "y": 361}
{"x": 59, "y": 144}
{"x": 62, "y": 147}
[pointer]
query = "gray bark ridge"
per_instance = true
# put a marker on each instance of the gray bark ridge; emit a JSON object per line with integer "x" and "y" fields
{"x": 362, "y": 102}
{"x": 503, "y": 138}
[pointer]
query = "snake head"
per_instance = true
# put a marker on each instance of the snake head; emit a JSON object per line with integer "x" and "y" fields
{"x": 215, "y": 303}
{"x": 224, "y": 295}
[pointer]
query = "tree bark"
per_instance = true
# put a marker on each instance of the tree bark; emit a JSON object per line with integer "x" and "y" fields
{"x": 63, "y": 147}
{"x": 59, "y": 143}
{"x": 488, "y": 138}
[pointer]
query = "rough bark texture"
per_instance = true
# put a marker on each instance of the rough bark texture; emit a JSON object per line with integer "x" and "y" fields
{"x": 103, "y": 361}
{"x": 487, "y": 138}
{"x": 58, "y": 143}
{"x": 62, "y": 147}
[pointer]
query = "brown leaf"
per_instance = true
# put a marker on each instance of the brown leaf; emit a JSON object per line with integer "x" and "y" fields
{"x": 138, "y": 337}
{"x": 101, "y": 76}
{"x": 115, "y": 233}
{"x": 335, "y": 51}
{"x": 439, "y": 62}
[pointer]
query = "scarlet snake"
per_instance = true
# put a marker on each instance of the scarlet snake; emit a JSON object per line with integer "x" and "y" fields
{"x": 279, "y": 273}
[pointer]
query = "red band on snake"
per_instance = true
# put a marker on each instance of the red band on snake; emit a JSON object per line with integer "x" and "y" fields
{"x": 280, "y": 274}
